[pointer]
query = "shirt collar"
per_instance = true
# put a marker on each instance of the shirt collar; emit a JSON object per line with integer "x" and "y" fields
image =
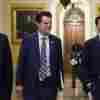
{"x": 41, "y": 36}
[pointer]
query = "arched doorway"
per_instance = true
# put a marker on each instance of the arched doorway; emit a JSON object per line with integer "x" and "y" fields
{"x": 83, "y": 6}
{"x": 74, "y": 29}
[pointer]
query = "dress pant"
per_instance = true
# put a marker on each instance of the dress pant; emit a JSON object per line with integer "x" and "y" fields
{"x": 96, "y": 92}
{"x": 47, "y": 94}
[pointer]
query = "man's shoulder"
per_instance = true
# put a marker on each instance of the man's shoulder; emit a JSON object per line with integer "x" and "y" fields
{"x": 3, "y": 36}
{"x": 54, "y": 37}
{"x": 28, "y": 36}
{"x": 90, "y": 41}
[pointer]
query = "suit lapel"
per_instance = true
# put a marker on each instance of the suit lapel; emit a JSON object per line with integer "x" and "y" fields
{"x": 37, "y": 51}
{"x": 36, "y": 47}
{"x": 52, "y": 47}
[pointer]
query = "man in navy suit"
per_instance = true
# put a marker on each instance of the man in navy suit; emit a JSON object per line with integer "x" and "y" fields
{"x": 90, "y": 66}
{"x": 39, "y": 78}
{"x": 5, "y": 68}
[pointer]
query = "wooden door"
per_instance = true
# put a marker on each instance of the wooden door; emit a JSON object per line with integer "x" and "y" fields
{"x": 73, "y": 32}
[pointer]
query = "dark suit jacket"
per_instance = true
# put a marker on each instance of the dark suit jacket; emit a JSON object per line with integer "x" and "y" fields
{"x": 5, "y": 68}
{"x": 29, "y": 64}
{"x": 90, "y": 67}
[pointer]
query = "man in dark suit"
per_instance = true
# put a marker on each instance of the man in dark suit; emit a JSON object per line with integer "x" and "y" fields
{"x": 5, "y": 68}
{"x": 39, "y": 73}
{"x": 90, "y": 67}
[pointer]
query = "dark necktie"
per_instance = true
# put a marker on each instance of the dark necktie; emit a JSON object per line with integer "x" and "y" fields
{"x": 44, "y": 71}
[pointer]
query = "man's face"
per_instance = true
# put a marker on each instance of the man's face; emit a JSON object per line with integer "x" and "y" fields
{"x": 45, "y": 25}
{"x": 98, "y": 26}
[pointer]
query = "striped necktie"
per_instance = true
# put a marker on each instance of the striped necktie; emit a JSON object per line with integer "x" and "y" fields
{"x": 44, "y": 71}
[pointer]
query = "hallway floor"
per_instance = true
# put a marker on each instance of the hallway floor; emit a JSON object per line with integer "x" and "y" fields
{"x": 70, "y": 93}
{"x": 73, "y": 93}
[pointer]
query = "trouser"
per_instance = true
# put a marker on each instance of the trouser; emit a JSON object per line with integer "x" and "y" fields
{"x": 97, "y": 90}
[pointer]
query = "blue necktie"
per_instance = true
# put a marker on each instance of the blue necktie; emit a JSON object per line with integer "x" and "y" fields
{"x": 44, "y": 71}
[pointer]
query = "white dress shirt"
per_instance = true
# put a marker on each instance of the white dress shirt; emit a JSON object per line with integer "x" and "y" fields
{"x": 47, "y": 49}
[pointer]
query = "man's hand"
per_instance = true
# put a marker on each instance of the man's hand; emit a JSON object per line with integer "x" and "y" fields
{"x": 90, "y": 96}
{"x": 73, "y": 62}
{"x": 90, "y": 87}
{"x": 19, "y": 92}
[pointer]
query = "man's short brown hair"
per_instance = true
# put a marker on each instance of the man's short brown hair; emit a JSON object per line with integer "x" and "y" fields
{"x": 41, "y": 14}
{"x": 96, "y": 20}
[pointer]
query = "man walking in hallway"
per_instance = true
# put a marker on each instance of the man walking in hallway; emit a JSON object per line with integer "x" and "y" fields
{"x": 5, "y": 68}
{"x": 40, "y": 65}
{"x": 90, "y": 67}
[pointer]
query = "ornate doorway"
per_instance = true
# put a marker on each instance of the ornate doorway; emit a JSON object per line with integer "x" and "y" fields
{"x": 74, "y": 29}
